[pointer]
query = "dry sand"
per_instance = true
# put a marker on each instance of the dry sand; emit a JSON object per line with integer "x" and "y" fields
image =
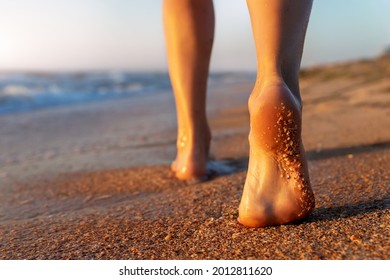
{"x": 93, "y": 182}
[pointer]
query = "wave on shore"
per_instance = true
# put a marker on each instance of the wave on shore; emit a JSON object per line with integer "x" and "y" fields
{"x": 31, "y": 91}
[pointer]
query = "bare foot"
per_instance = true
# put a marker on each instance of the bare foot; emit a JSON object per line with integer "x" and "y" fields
{"x": 277, "y": 188}
{"x": 192, "y": 155}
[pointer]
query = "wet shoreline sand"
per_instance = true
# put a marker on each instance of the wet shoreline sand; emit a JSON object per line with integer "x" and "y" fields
{"x": 93, "y": 182}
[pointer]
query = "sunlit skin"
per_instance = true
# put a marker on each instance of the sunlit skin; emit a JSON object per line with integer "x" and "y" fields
{"x": 277, "y": 188}
{"x": 189, "y": 33}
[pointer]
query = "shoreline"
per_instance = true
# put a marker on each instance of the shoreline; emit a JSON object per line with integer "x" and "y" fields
{"x": 93, "y": 182}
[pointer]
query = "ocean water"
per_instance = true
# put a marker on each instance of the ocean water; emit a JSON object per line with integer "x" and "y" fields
{"x": 20, "y": 92}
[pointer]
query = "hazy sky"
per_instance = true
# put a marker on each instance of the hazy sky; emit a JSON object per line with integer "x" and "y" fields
{"x": 127, "y": 34}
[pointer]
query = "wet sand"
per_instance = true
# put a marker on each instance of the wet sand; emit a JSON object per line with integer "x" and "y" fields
{"x": 93, "y": 181}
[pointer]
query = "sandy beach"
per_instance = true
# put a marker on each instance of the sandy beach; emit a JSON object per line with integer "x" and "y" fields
{"x": 92, "y": 181}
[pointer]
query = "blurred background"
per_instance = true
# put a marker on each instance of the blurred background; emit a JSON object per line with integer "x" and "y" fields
{"x": 113, "y": 40}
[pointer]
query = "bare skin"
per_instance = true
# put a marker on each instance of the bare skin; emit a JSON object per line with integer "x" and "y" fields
{"x": 189, "y": 33}
{"x": 277, "y": 188}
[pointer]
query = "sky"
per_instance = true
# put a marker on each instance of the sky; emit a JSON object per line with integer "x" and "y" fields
{"x": 73, "y": 35}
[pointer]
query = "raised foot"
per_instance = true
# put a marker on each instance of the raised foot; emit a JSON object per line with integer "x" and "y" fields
{"x": 277, "y": 188}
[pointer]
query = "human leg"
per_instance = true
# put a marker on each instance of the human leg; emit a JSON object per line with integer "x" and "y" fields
{"x": 189, "y": 34}
{"x": 277, "y": 188}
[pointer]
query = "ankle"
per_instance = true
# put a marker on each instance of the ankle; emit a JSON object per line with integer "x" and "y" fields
{"x": 268, "y": 79}
{"x": 194, "y": 136}
{"x": 272, "y": 76}
{"x": 272, "y": 89}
